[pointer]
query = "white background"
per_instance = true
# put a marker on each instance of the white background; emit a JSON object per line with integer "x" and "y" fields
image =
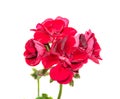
{"x": 97, "y": 81}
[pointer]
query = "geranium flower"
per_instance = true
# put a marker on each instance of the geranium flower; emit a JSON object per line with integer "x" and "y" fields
{"x": 50, "y": 30}
{"x": 61, "y": 52}
{"x": 64, "y": 60}
{"x": 34, "y": 51}
{"x": 89, "y": 43}
{"x": 93, "y": 48}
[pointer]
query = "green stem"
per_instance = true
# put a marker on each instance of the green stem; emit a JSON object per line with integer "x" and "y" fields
{"x": 60, "y": 91}
{"x": 38, "y": 83}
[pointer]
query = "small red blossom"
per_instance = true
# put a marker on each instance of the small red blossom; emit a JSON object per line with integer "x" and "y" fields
{"x": 34, "y": 52}
{"x": 64, "y": 56}
{"x": 50, "y": 30}
{"x": 93, "y": 48}
{"x": 89, "y": 43}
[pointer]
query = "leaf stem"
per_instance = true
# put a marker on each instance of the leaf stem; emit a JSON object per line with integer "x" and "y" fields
{"x": 60, "y": 91}
{"x": 38, "y": 83}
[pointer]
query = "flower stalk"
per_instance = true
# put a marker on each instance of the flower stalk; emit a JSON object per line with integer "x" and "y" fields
{"x": 60, "y": 91}
{"x": 38, "y": 86}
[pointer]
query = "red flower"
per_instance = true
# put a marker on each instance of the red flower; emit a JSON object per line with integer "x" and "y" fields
{"x": 89, "y": 43}
{"x": 50, "y": 30}
{"x": 93, "y": 48}
{"x": 34, "y": 52}
{"x": 64, "y": 59}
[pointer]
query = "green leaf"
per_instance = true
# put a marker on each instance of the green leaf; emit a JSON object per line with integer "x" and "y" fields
{"x": 39, "y": 98}
{"x": 50, "y": 98}
{"x": 34, "y": 69}
{"x": 44, "y": 96}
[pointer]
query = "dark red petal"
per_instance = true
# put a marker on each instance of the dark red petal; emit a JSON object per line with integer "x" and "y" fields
{"x": 96, "y": 53}
{"x": 65, "y": 20}
{"x": 58, "y": 26}
{"x": 82, "y": 41}
{"x": 90, "y": 44}
{"x": 32, "y": 29}
{"x": 97, "y": 49}
{"x": 69, "y": 31}
{"x": 69, "y": 44}
{"x": 63, "y": 45}
{"x": 49, "y": 60}
{"x": 58, "y": 46}
{"x": 76, "y": 66}
{"x": 30, "y": 46}
{"x": 79, "y": 55}
{"x": 77, "y": 42}
{"x": 39, "y": 27}
{"x": 48, "y": 23}
{"x": 94, "y": 59}
{"x": 67, "y": 80}
{"x": 33, "y": 61}
{"x": 88, "y": 35}
{"x": 61, "y": 74}
{"x": 42, "y": 37}
{"x": 28, "y": 54}
{"x": 39, "y": 48}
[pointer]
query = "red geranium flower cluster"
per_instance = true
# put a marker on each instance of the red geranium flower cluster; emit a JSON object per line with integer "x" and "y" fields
{"x": 61, "y": 49}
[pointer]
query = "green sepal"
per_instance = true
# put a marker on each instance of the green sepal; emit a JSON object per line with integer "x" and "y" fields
{"x": 71, "y": 83}
{"x": 43, "y": 72}
{"x": 51, "y": 80}
{"x": 35, "y": 73}
{"x": 39, "y": 73}
{"x": 77, "y": 76}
